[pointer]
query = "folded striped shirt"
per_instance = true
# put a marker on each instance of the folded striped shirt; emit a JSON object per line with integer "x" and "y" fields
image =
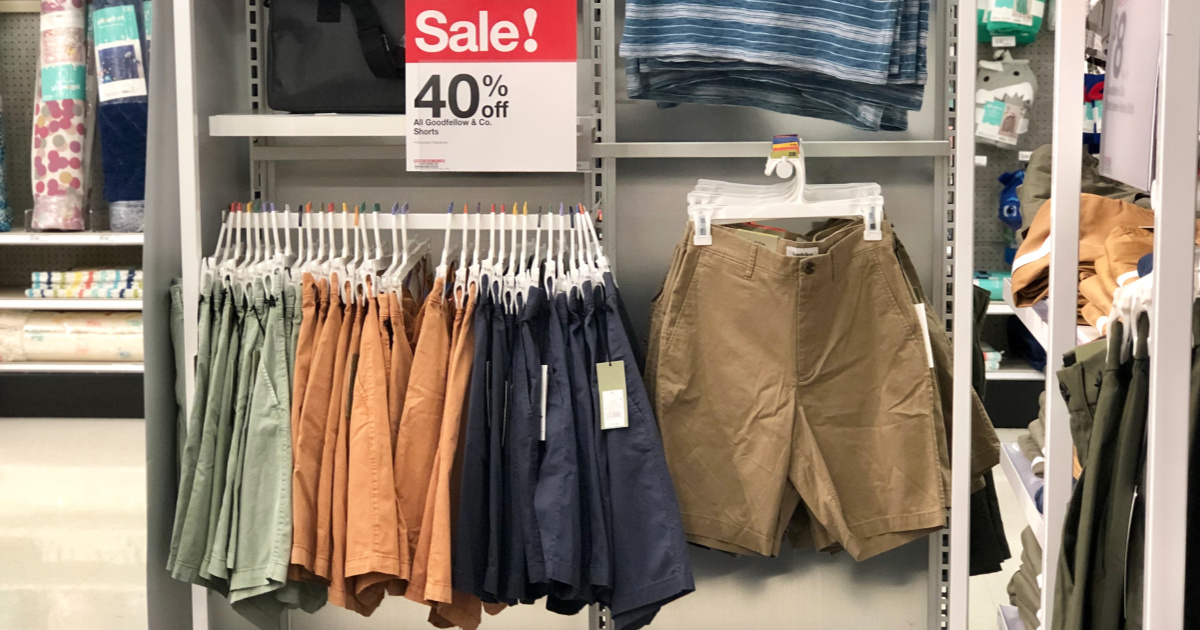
{"x": 84, "y": 276}
{"x": 859, "y": 62}
{"x": 109, "y": 294}
{"x": 99, "y": 284}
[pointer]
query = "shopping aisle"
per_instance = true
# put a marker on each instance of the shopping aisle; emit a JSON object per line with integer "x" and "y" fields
{"x": 72, "y": 524}
{"x": 989, "y": 592}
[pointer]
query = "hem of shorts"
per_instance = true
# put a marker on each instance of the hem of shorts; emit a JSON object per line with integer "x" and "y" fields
{"x": 380, "y": 563}
{"x": 730, "y": 534}
{"x": 303, "y": 557}
{"x": 865, "y": 550}
{"x": 669, "y": 588}
{"x": 564, "y": 573}
{"x": 276, "y": 571}
{"x": 896, "y": 523}
{"x": 439, "y": 592}
{"x": 215, "y": 567}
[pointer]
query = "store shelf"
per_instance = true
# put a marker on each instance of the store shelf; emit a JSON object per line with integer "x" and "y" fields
{"x": 1010, "y": 619}
{"x": 814, "y": 149}
{"x": 20, "y": 6}
{"x": 82, "y": 367}
{"x": 20, "y": 236}
{"x": 1015, "y": 370}
{"x": 309, "y": 125}
{"x": 1019, "y": 472}
{"x": 999, "y": 308}
{"x": 1035, "y": 318}
{"x": 15, "y": 299}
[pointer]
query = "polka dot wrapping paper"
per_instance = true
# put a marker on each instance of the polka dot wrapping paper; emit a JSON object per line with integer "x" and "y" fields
{"x": 60, "y": 118}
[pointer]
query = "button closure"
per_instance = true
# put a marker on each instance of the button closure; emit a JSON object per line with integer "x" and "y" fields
{"x": 810, "y": 267}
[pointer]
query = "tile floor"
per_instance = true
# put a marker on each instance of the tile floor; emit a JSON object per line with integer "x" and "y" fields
{"x": 988, "y": 592}
{"x": 73, "y": 545}
{"x": 72, "y": 524}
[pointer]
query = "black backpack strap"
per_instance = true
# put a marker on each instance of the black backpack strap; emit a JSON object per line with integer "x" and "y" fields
{"x": 382, "y": 54}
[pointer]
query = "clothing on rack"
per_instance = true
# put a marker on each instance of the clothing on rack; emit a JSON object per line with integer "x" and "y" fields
{"x": 860, "y": 63}
{"x": 789, "y": 404}
{"x": 435, "y": 448}
{"x": 1101, "y": 562}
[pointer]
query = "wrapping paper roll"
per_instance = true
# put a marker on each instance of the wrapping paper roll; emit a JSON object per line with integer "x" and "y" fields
{"x": 60, "y": 118}
{"x": 5, "y": 210}
{"x": 76, "y": 336}
{"x": 119, "y": 38}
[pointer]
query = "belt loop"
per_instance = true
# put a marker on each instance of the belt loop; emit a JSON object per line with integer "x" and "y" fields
{"x": 754, "y": 247}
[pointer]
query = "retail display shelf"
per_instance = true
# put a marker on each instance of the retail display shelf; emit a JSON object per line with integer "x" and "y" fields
{"x": 1015, "y": 369}
{"x": 1019, "y": 472}
{"x": 1035, "y": 318}
{"x": 74, "y": 367}
{"x": 15, "y": 299}
{"x": 309, "y": 125}
{"x": 999, "y": 308}
{"x": 1010, "y": 619}
{"x": 21, "y": 236}
{"x": 813, "y": 149}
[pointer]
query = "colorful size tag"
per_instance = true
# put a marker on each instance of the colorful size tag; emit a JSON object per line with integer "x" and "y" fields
{"x": 785, "y": 146}
{"x": 614, "y": 408}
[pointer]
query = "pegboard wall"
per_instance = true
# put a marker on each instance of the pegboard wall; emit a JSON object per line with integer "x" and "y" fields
{"x": 18, "y": 79}
{"x": 989, "y": 239}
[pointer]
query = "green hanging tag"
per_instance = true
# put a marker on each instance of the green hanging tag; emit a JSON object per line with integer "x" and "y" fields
{"x": 614, "y": 408}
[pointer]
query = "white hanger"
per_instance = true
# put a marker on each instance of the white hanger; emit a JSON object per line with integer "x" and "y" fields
{"x": 475, "y": 272}
{"x": 443, "y": 267}
{"x": 460, "y": 274}
{"x": 705, "y": 209}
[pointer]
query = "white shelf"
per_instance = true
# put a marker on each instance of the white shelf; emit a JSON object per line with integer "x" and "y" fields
{"x": 999, "y": 308}
{"x": 1019, "y": 472}
{"x": 1014, "y": 370}
{"x": 111, "y": 368}
{"x": 11, "y": 299}
{"x": 19, "y": 236}
{"x": 1010, "y": 619}
{"x": 1035, "y": 317}
{"x": 309, "y": 125}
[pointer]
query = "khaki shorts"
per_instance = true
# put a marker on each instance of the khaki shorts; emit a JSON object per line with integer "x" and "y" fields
{"x": 785, "y": 370}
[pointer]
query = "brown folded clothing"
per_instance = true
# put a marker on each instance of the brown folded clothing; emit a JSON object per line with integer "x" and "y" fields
{"x": 1036, "y": 188}
{"x": 1037, "y": 430}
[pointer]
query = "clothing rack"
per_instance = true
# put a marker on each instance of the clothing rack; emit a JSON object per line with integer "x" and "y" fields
{"x": 216, "y": 142}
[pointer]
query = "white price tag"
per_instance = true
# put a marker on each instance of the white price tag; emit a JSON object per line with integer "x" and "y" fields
{"x": 491, "y": 87}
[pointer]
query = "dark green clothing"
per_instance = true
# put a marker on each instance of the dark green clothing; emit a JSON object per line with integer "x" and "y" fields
{"x": 1117, "y": 568}
{"x": 1079, "y": 380}
{"x": 1036, "y": 188}
{"x": 1085, "y": 513}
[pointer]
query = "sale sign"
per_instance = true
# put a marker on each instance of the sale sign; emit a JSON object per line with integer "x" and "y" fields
{"x": 491, "y": 86}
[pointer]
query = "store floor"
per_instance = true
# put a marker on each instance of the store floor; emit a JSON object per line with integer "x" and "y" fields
{"x": 990, "y": 591}
{"x": 73, "y": 545}
{"x": 72, "y": 524}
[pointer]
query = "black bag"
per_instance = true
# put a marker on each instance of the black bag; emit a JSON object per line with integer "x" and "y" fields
{"x": 321, "y": 59}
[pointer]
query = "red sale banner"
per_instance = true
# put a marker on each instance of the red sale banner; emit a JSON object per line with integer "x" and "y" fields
{"x": 491, "y": 86}
{"x": 475, "y": 30}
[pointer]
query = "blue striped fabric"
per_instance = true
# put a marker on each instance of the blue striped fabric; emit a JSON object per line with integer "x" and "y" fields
{"x": 858, "y": 62}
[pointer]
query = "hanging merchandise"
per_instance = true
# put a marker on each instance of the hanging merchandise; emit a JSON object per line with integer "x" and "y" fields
{"x": 465, "y": 390}
{"x": 123, "y": 111}
{"x": 1010, "y": 212}
{"x": 861, "y": 63}
{"x": 61, "y": 114}
{"x": 1004, "y": 93}
{"x": 322, "y": 58}
{"x": 786, "y": 430}
{"x": 1093, "y": 111}
{"x": 1008, "y": 23}
{"x": 5, "y": 211}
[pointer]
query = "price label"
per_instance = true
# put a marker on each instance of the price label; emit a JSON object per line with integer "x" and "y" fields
{"x": 1130, "y": 88}
{"x": 491, "y": 86}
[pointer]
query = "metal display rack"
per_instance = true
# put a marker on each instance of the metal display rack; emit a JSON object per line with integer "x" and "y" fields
{"x": 214, "y": 71}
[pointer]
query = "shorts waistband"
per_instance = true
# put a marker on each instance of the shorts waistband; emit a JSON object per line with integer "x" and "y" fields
{"x": 834, "y": 250}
